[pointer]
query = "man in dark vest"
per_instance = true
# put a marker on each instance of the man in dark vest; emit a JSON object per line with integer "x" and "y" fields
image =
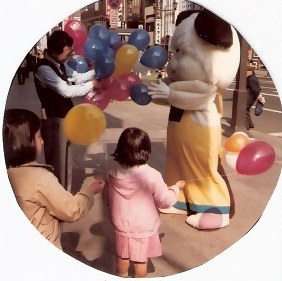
{"x": 55, "y": 91}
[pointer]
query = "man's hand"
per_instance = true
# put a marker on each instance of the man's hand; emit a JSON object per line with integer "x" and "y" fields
{"x": 96, "y": 84}
{"x": 261, "y": 98}
{"x": 159, "y": 90}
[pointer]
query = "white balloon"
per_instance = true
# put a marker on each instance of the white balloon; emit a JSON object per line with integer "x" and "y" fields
{"x": 231, "y": 159}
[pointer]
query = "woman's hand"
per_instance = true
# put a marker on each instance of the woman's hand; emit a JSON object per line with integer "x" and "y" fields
{"x": 97, "y": 186}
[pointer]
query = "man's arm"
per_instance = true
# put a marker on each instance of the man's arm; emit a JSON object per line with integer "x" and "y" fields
{"x": 48, "y": 77}
{"x": 253, "y": 84}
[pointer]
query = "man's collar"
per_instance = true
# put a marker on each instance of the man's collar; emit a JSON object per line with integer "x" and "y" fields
{"x": 52, "y": 60}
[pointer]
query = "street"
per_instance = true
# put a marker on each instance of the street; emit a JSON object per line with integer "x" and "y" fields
{"x": 270, "y": 121}
{"x": 91, "y": 241}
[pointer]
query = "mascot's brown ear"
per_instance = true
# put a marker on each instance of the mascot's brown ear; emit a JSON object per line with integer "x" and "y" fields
{"x": 213, "y": 29}
{"x": 183, "y": 15}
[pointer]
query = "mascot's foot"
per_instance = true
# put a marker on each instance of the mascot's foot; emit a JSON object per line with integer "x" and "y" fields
{"x": 173, "y": 210}
{"x": 208, "y": 220}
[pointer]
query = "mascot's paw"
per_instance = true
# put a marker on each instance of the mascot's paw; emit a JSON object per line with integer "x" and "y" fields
{"x": 208, "y": 220}
{"x": 173, "y": 210}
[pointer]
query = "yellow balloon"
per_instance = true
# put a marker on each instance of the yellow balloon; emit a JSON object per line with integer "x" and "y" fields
{"x": 126, "y": 58}
{"x": 84, "y": 124}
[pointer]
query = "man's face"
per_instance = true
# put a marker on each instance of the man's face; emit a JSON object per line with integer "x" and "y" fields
{"x": 67, "y": 52}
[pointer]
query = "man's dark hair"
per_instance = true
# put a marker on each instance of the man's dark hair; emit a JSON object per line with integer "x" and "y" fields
{"x": 19, "y": 128}
{"x": 57, "y": 41}
{"x": 133, "y": 148}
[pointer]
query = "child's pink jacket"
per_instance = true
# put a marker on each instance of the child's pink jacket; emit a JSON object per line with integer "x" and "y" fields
{"x": 134, "y": 196}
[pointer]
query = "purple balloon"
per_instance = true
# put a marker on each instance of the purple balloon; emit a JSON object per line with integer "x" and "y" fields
{"x": 100, "y": 33}
{"x": 78, "y": 64}
{"x": 93, "y": 49}
{"x": 139, "y": 94}
{"x": 154, "y": 57}
{"x": 139, "y": 38}
{"x": 104, "y": 66}
{"x": 255, "y": 158}
{"x": 115, "y": 39}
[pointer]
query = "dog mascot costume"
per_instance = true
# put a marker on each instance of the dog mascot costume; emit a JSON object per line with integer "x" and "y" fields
{"x": 205, "y": 61}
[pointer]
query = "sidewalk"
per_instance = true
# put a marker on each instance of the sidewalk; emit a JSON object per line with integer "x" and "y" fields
{"x": 90, "y": 240}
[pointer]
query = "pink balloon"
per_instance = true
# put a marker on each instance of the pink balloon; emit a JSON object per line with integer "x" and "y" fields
{"x": 131, "y": 79}
{"x": 77, "y": 30}
{"x": 119, "y": 90}
{"x": 255, "y": 158}
{"x": 79, "y": 51}
{"x": 98, "y": 98}
{"x": 106, "y": 83}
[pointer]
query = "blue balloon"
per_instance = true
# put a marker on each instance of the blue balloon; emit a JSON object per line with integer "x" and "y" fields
{"x": 101, "y": 33}
{"x": 93, "y": 48}
{"x": 154, "y": 57}
{"x": 78, "y": 64}
{"x": 104, "y": 66}
{"x": 115, "y": 39}
{"x": 110, "y": 52}
{"x": 139, "y": 38}
{"x": 139, "y": 94}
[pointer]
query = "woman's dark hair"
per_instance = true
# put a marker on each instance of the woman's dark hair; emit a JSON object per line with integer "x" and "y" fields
{"x": 19, "y": 128}
{"x": 133, "y": 147}
{"x": 57, "y": 41}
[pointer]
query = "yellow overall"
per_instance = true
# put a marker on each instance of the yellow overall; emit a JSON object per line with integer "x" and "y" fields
{"x": 193, "y": 148}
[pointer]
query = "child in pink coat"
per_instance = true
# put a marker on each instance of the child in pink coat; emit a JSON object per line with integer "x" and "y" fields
{"x": 135, "y": 192}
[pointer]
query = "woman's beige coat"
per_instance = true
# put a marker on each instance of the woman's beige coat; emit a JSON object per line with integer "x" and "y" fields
{"x": 45, "y": 201}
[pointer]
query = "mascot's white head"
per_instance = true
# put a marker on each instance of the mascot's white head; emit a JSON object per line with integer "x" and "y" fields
{"x": 206, "y": 48}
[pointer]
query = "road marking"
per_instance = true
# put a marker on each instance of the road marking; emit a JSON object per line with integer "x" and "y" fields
{"x": 272, "y": 95}
{"x": 265, "y": 94}
{"x": 267, "y": 109}
{"x": 276, "y": 134}
{"x": 271, "y": 88}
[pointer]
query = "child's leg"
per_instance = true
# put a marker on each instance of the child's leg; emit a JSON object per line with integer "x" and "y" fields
{"x": 140, "y": 269}
{"x": 122, "y": 267}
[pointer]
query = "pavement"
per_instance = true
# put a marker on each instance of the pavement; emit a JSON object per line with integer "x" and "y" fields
{"x": 90, "y": 240}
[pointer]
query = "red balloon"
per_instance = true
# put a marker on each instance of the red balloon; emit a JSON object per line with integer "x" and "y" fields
{"x": 131, "y": 79}
{"x": 106, "y": 83}
{"x": 79, "y": 51}
{"x": 119, "y": 90}
{"x": 77, "y": 30}
{"x": 255, "y": 158}
{"x": 98, "y": 98}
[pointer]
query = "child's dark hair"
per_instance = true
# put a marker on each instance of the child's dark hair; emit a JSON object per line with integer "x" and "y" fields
{"x": 19, "y": 128}
{"x": 57, "y": 41}
{"x": 133, "y": 147}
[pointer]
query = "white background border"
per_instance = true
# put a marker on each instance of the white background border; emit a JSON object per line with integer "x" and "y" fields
{"x": 25, "y": 255}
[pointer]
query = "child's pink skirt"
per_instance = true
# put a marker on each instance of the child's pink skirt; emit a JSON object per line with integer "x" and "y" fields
{"x": 138, "y": 249}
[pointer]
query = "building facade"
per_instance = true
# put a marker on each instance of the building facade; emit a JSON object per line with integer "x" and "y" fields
{"x": 155, "y": 16}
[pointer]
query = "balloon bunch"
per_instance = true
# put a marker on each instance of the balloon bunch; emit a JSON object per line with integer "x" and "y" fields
{"x": 248, "y": 156}
{"x": 115, "y": 62}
